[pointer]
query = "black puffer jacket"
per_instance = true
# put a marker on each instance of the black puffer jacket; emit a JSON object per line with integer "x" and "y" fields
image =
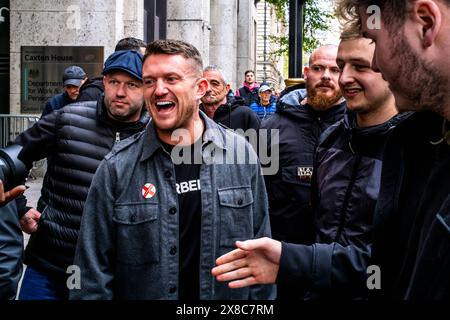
{"x": 235, "y": 115}
{"x": 300, "y": 127}
{"x": 74, "y": 139}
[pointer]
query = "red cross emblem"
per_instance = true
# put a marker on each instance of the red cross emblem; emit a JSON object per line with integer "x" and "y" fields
{"x": 148, "y": 191}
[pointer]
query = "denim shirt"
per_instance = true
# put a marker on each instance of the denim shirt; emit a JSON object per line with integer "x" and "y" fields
{"x": 128, "y": 245}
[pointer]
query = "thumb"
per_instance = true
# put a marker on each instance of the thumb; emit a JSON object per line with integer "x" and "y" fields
{"x": 251, "y": 244}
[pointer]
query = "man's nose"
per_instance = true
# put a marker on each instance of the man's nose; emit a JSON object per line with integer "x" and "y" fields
{"x": 121, "y": 91}
{"x": 326, "y": 74}
{"x": 160, "y": 88}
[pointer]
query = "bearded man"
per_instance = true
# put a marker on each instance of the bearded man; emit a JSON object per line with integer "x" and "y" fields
{"x": 300, "y": 121}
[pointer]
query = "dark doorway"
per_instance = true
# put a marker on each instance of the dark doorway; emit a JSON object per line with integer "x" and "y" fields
{"x": 4, "y": 56}
{"x": 155, "y": 20}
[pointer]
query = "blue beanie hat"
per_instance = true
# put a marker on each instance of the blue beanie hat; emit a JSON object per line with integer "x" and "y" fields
{"x": 126, "y": 60}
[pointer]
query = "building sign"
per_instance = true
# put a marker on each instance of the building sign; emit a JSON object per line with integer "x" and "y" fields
{"x": 42, "y": 70}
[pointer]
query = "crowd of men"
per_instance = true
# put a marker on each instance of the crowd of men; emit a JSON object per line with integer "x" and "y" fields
{"x": 148, "y": 191}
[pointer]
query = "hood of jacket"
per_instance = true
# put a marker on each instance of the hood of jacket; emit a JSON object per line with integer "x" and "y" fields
{"x": 290, "y": 105}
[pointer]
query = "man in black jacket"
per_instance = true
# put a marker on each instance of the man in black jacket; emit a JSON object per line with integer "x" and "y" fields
{"x": 346, "y": 181}
{"x": 412, "y": 219}
{"x": 75, "y": 139}
{"x": 229, "y": 111}
{"x": 300, "y": 121}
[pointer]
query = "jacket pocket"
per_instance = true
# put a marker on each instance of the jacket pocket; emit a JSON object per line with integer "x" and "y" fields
{"x": 236, "y": 214}
{"x": 137, "y": 233}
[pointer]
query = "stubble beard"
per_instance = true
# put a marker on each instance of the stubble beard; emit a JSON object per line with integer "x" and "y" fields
{"x": 421, "y": 82}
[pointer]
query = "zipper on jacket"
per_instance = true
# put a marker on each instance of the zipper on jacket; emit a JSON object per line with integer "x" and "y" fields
{"x": 117, "y": 137}
{"x": 347, "y": 198}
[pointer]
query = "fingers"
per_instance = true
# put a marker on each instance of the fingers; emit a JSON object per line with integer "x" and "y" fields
{"x": 17, "y": 191}
{"x": 250, "y": 281}
{"x": 29, "y": 222}
{"x": 9, "y": 195}
{"x": 231, "y": 256}
{"x": 233, "y": 265}
{"x": 2, "y": 193}
{"x": 235, "y": 274}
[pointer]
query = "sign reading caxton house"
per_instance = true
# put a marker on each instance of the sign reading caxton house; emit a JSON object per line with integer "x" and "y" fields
{"x": 42, "y": 69}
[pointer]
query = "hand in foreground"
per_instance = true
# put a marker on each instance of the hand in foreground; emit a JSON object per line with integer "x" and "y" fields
{"x": 7, "y": 196}
{"x": 30, "y": 220}
{"x": 254, "y": 262}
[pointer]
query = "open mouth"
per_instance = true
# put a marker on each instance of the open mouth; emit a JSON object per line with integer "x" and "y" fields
{"x": 352, "y": 91}
{"x": 165, "y": 106}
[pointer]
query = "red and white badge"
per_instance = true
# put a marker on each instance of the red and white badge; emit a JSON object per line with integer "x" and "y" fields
{"x": 148, "y": 191}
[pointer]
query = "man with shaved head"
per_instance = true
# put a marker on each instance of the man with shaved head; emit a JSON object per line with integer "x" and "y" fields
{"x": 300, "y": 121}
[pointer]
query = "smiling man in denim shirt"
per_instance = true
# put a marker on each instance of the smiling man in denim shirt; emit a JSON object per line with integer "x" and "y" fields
{"x": 166, "y": 203}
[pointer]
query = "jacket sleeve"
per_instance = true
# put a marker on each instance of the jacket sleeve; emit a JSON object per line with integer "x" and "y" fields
{"x": 95, "y": 246}
{"x": 39, "y": 140}
{"x": 11, "y": 249}
{"x": 261, "y": 229}
{"x": 324, "y": 266}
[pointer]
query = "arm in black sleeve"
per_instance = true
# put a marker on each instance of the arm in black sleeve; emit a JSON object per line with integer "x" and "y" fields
{"x": 39, "y": 140}
{"x": 324, "y": 266}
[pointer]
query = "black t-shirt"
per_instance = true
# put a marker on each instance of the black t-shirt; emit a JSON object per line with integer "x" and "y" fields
{"x": 190, "y": 209}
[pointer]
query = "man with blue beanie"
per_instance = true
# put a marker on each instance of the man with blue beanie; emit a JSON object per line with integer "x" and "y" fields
{"x": 74, "y": 139}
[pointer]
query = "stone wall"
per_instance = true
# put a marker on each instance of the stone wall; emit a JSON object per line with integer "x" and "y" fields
{"x": 69, "y": 23}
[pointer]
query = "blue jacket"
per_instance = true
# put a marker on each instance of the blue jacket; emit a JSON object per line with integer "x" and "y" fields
{"x": 264, "y": 112}
{"x": 125, "y": 240}
{"x": 56, "y": 102}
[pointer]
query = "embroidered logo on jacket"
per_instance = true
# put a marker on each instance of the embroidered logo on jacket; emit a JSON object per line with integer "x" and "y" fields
{"x": 305, "y": 173}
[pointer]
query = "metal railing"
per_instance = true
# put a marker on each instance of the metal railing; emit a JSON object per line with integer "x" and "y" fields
{"x": 11, "y": 125}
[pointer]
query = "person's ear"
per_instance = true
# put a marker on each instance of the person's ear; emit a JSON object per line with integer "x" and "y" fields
{"x": 428, "y": 14}
{"x": 305, "y": 72}
{"x": 202, "y": 87}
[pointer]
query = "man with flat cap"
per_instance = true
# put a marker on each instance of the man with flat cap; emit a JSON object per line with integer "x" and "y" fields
{"x": 73, "y": 79}
{"x": 74, "y": 139}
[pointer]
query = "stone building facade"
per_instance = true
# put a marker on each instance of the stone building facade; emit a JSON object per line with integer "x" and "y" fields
{"x": 225, "y": 31}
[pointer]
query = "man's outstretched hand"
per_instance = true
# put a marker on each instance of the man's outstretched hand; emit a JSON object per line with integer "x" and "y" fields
{"x": 254, "y": 262}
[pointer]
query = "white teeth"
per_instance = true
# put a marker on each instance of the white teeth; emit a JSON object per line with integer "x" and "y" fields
{"x": 164, "y": 103}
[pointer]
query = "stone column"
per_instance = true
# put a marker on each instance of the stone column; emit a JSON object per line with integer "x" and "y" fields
{"x": 133, "y": 19}
{"x": 223, "y": 42}
{"x": 188, "y": 20}
{"x": 246, "y": 39}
